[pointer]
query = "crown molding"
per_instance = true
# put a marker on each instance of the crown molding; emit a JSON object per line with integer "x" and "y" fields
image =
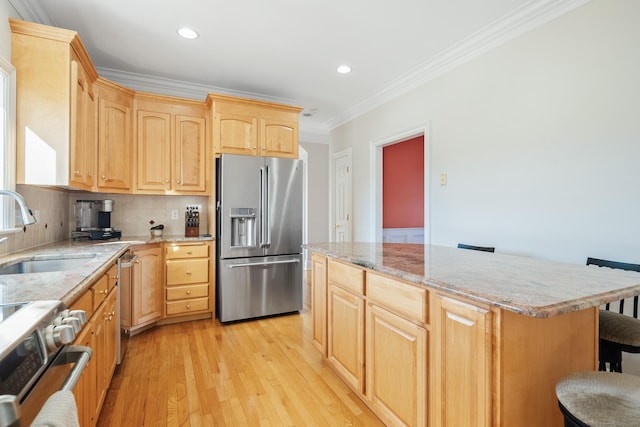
{"x": 512, "y": 25}
{"x": 31, "y": 11}
{"x": 180, "y": 88}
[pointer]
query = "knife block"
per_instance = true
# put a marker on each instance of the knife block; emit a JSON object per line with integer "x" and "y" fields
{"x": 192, "y": 223}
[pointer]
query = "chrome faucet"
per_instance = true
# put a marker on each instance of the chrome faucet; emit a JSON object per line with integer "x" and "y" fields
{"x": 27, "y": 215}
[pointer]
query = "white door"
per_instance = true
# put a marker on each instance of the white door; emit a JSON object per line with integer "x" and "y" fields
{"x": 341, "y": 215}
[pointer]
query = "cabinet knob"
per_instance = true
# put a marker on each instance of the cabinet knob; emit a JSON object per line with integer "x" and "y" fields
{"x": 188, "y": 273}
{"x": 166, "y": 181}
{"x": 188, "y": 306}
{"x": 104, "y": 177}
{"x": 88, "y": 172}
{"x": 77, "y": 172}
{"x": 177, "y": 181}
{"x": 189, "y": 252}
{"x": 188, "y": 292}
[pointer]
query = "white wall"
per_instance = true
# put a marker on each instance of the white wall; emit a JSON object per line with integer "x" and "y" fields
{"x": 318, "y": 188}
{"x": 540, "y": 139}
{"x": 6, "y": 11}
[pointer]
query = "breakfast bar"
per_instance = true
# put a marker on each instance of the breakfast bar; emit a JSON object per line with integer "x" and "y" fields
{"x": 440, "y": 336}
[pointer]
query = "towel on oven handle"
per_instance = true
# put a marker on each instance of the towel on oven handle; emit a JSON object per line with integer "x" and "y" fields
{"x": 58, "y": 411}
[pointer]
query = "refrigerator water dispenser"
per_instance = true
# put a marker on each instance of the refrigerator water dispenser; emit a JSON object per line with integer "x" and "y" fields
{"x": 243, "y": 227}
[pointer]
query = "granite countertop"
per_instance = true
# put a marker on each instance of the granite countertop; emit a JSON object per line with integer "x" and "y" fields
{"x": 528, "y": 286}
{"x": 69, "y": 284}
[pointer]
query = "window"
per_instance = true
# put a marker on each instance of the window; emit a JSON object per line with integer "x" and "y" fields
{"x": 7, "y": 141}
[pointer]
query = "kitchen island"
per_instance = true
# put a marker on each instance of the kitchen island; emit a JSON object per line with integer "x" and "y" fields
{"x": 432, "y": 335}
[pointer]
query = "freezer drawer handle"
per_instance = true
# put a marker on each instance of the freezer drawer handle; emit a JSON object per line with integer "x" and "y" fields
{"x": 253, "y": 264}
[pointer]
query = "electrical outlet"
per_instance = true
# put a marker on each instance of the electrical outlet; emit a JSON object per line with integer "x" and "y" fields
{"x": 174, "y": 214}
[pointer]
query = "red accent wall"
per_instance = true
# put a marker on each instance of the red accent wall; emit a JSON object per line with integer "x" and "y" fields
{"x": 403, "y": 184}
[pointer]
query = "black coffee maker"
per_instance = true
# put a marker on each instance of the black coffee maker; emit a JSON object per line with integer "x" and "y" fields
{"x": 93, "y": 220}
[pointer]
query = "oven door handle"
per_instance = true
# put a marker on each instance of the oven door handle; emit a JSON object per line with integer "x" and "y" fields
{"x": 79, "y": 355}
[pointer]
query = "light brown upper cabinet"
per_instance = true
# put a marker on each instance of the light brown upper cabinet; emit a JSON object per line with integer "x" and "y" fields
{"x": 171, "y": 145}
{"x": 115, "y": 104}
{"x": 255, "y": 128}
{"x": 55, "y": 102}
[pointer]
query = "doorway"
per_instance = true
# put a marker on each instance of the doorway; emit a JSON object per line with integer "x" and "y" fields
{"x": 341, "y": 196}
{"x": 395, "y": 233}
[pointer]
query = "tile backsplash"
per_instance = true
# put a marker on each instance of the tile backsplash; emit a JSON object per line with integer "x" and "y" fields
{"x": 131, "y": 214}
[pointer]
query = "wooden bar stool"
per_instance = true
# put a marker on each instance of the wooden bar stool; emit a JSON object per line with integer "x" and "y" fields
{"x": 618, "y": 332}
{"x": 599, "y": 399}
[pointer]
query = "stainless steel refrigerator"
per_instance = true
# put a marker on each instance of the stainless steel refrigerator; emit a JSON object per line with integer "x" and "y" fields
{"x": 259, "y": 242}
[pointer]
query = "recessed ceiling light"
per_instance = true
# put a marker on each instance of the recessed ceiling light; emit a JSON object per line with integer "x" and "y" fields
{"x": 344, "y": 69}
{"x": 187, "y": 33}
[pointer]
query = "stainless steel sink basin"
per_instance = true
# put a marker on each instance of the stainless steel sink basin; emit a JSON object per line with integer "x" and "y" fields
{"x": 44, "y": 265}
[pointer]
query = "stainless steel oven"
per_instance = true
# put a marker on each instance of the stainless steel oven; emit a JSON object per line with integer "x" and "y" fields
{"x": 36, "y": 358}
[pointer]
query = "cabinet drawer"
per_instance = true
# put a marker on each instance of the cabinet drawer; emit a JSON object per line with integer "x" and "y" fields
{"x": 187, "y": 306}
{"x": 183, "y": 292}
{"x": 175, "y": 251}
{"x": 187, "y": 271}
{"x": 403, "y": 298}
{"x": 85, "y": 302}
{"x": 112, "y": 276}
{"x": 346, "y": 276}
{"x": 100, "y": 291}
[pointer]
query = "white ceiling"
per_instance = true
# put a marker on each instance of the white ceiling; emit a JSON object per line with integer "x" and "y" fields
{"x": 288, "y": 50}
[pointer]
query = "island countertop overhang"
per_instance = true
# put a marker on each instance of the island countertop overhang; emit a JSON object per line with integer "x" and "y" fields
{"x": 528, "y": 286}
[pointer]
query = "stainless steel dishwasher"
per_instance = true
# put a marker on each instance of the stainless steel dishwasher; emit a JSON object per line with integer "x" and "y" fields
{"x": 125, "y": 262}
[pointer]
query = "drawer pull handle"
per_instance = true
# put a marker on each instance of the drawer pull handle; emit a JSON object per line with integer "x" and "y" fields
{"x": 189, "y": 252}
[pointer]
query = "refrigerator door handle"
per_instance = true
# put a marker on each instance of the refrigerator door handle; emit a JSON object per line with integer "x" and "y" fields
{"x": 264, "y": 207}
{"x": 255, "y": 264}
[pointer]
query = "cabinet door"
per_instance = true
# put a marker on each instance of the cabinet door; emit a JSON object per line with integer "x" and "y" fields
{"x": 235, "y": 134}
{"x": 153, "y": 150}
{"x": 114, "y": 145}
{"x": 82, "y": 138}
{"x": 319, "y": 302}
{"x": 84, "y": 391}
{"x": 278, "y": 138}
{"x": 396, "y": 358}
{"x": 190, "y": 154}
{"x": 100, "y": 358}
{"x": 461, "y": 351}
{"x": 148, "y": 284}
{"x": 345, "y": 335}
{"x": 111, "y": 336}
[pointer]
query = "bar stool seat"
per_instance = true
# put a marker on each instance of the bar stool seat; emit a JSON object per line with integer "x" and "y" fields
{"x": 623, "y": 330}
{"x": 600, "y": 399}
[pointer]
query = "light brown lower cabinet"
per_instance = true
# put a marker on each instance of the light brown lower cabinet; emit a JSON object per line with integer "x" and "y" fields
{"x": 396, "y": 359}
{"x": 345, "y": 325}
{"x": 147, "y": 282}
{"x": 100, "y": 334}
{"x": 461, "y": 356}
{"x": 319, "y": 302}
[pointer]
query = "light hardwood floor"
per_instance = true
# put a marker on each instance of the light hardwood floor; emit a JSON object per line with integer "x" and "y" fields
{"x": 258, "y": 373}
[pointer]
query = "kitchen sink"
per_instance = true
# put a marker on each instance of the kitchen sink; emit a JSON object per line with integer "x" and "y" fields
{"x": 45, "y": 265}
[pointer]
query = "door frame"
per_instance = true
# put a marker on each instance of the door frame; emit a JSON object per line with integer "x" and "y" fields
{"x": 332, "y": 217}
{"x": 375, "y": 181}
